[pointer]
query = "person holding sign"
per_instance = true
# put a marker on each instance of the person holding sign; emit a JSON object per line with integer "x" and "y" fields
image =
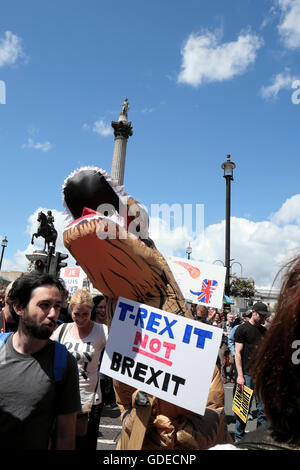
{"x": 247, "y": 338}
{"x": 109, "y": 238}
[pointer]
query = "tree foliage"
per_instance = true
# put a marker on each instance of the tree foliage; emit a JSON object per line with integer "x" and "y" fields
{"x": 242, "y": 288}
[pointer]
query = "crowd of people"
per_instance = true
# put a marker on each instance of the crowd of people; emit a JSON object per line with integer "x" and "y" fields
{"x": 52, "y": 392}
{"x": 241, "y": 336}
{"x": 227, "y": 321}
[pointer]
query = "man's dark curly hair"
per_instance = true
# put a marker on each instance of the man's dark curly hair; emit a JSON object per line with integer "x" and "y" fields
{"x": 22, "y": 288}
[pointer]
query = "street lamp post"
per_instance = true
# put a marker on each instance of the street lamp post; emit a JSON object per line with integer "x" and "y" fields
{"x": 220, "y": 261}
{"x": 236, "y": 262}
{"x": 4, "y": 245}
{"x": 228, "y": 168}
{"x": 189, "y": 251}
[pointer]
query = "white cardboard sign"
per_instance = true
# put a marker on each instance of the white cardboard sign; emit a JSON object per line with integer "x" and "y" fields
{"x": 73, "y": 278}
{"x": 200, "y": 283}
{"x": 165, "y": 355}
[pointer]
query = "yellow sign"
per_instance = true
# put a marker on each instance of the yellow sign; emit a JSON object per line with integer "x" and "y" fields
{"x": 241, "y": 402}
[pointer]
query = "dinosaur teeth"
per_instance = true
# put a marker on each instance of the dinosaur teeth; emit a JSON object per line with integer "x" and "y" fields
{"x": 67, "y": 213}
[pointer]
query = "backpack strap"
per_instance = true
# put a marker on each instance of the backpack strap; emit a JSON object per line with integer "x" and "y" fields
{"x": 60, "y": 356}
{"x": 62, "y": 330}
{"x": 60, "y": 360}
{"x": 4, "y": 338}
{"x": 2, "y": 322}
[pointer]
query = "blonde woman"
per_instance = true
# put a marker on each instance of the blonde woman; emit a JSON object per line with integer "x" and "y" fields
{"x": 85, "y": 339}
{"x": 99, "y": 315}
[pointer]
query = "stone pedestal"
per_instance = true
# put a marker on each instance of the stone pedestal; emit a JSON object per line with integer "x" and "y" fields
{"x": 35, "y": 256}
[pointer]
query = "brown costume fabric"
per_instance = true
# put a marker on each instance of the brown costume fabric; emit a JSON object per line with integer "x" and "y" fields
{"x": 123, "y": 265}
{"x": 174, "y": 428}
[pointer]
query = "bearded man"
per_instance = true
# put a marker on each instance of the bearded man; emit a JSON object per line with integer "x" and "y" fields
{"x": 32, "y": 394}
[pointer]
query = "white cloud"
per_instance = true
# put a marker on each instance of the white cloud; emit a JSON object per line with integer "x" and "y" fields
{"x": 269, "y": 16}
{"x": 289, "y": 27}
{"x": 43, "y": 146}
{"x": 99, "y": 127}
{"x": 282, "y": 80}
{"x": 10, "y": 49}
{"x": 205, "y": 59}
{"x": 147, "y": 110}
{"x": 168, "y": 240}
{"x": 262, "y": 248}
{"x": 289, "y": 213}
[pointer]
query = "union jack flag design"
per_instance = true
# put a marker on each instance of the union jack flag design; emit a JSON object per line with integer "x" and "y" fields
{"x": 207, "y": 289}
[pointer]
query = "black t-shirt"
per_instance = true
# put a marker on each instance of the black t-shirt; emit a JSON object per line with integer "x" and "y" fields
{"x": 250, "y": 336}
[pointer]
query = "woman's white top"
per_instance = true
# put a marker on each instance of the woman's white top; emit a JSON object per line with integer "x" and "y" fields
{"x": 87, "y": 353}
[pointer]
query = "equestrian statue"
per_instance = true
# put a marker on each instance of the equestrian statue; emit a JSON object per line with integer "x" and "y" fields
{"x": 46, "y": 229}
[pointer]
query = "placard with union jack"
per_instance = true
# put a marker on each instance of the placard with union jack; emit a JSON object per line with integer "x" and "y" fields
{"x": 200, "y": 283}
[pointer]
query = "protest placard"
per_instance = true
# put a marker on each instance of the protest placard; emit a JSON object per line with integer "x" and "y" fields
{"x": 166, "y": 355}
{"x": 241, "y": 402}
{"x": 73, "y": 278}
{"x": 200, "y": 283}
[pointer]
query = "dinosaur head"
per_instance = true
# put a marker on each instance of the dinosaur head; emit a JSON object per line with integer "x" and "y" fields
{"x": 109, "y": 239}
{"x": 92, "y": 188}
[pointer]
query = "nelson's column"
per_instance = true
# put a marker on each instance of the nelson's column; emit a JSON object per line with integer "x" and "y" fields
{"x": 122, "y": 130}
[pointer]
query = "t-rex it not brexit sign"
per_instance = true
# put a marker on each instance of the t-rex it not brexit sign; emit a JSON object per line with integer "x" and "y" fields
{"x": 165, "y": 355}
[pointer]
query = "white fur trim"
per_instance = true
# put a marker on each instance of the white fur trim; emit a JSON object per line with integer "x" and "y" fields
{"x": 119, "y": 190}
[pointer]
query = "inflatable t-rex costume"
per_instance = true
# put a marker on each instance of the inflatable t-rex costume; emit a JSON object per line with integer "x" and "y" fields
{"x": 109, "y": 240}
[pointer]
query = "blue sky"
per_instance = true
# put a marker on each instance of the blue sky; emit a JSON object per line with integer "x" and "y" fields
{"x": 203, "y": 79}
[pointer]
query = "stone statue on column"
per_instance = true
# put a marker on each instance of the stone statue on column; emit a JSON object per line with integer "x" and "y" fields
{"x": 125, "y": 107}
{"x": 122, "y": 130}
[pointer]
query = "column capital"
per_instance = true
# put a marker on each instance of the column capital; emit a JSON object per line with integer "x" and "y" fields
{"x": 122, "y": 129}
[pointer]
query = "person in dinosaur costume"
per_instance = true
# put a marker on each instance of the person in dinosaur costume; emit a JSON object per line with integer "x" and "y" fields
{"x": 109, "y": 239}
